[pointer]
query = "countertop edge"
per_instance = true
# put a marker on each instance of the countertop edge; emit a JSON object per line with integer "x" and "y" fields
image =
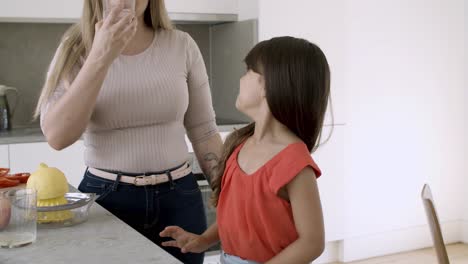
{"x": 34, "y": 135}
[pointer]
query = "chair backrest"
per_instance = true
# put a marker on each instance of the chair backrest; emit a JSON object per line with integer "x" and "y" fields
{"x": 434, "y": 225}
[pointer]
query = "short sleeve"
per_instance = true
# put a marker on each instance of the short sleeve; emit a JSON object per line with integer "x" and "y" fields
{"x": 290, "y": 165}
{"x": 199, "y": 120}
{"x": 59, "y": 90}
{"x": 53, "y": 98}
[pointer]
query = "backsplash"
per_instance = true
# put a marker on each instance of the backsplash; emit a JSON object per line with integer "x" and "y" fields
{"x": 26, "y": 50}
{"x": 25, "y": 53}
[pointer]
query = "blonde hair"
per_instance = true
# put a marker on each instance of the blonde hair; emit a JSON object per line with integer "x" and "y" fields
{"x": 77, "y": 41}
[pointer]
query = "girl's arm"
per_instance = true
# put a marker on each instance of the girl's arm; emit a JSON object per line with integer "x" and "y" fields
{"x": 189, "y": 242}
{"x": 303, "y": 195}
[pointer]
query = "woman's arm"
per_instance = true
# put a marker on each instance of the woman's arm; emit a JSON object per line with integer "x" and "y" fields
{"x": 200, "y": 120}
{"x": 303, "y": 194}
{"x": 68, "y": 118}
{"x": 208, "y": 153}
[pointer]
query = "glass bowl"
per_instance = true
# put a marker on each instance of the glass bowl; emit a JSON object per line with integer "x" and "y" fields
{"x": 75, "y": 212}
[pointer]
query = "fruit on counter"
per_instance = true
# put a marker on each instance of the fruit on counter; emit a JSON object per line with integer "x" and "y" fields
{"x": 5, "y": 182}
{"x": 4, "y": 171}
{"x": 21, "y": 177}
{"x": 5, "y": 211}
{"x": 11, "y": 180}
{"x": 51, "y": 186}
{"x": 49, "y": 182}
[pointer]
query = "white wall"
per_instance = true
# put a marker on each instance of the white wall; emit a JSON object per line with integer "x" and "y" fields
{"x": 398, "y": 86}
{"x": 404, "y": 78}
{"x": 465, "y": 222}
{"x": 321, "y": 22}
{"x": 404, "y": 83}
{"x": 248, "y": 9}
{"x": 4, "y": 157}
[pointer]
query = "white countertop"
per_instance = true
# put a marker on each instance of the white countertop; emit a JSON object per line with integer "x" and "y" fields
{"x": 102, "y": 239}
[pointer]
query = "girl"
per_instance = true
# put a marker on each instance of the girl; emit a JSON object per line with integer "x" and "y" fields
{"x": 267, "y": 200}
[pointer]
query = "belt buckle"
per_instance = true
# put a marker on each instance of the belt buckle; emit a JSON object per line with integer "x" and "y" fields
{"x": 135, "y": 181}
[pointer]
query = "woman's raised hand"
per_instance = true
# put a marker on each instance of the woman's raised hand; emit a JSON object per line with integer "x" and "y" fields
{"x": 113, "y": 34}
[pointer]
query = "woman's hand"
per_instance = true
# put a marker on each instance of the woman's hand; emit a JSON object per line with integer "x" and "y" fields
{"x": 186, "y": 241}
{"x": 112, "y": 35}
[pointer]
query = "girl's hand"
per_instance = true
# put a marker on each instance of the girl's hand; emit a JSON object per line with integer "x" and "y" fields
{"x": 187, "y": 242}
{"x": 112, "y": 35}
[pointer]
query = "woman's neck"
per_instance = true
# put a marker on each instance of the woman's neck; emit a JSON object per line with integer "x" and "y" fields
{"x": 142, "y": 40}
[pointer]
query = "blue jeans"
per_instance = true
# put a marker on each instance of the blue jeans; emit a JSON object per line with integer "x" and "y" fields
{"x": 149, "y": 209}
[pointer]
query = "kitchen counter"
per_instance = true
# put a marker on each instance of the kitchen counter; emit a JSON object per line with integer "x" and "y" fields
{"x": 21, "y": 135}
{"x": 34, "y": 134}
{"x": 102, "y": 239}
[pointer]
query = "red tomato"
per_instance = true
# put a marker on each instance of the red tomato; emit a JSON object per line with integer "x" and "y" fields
{"x": 4, "y": 171}
{"x": 22, "y": 177}
{"x": 5, "y": 182}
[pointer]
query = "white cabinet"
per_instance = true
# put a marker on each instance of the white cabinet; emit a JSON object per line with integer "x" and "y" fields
{"x": 330, "y": 159}
{"x": 27, "y": 157}
{"x": 43, "y": 10}
{"x": 202, "y": 6}
{"x": 4, "y": 159}
{"x": 70, "y": 10}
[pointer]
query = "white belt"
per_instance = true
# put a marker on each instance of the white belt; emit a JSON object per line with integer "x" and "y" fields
{"x": 141, "y": 180}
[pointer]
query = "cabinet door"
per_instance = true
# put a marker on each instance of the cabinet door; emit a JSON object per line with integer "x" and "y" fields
{"x": 4, "y": 159}
{"x": 202, "y": 6}
{"x": 27, "y": 157}
{"x": 330, "y": 159}
{"x": 70, "y": 10}
{"x": 43, "y": 10}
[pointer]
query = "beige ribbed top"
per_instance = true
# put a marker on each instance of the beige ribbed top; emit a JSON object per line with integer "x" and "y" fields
{"x": 146, "y": 105}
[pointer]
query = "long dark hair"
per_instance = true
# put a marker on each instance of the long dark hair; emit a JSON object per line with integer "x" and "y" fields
{"x": 297, "y": 85}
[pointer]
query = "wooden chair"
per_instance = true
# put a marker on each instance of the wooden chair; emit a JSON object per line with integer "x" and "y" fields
{"x": 434, "y": 225}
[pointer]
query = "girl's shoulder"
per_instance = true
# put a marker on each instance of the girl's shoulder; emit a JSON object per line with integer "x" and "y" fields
{"x": 294, "y": 150}
{"x": 295, "y": 156}
{"x": 289, "y": 163}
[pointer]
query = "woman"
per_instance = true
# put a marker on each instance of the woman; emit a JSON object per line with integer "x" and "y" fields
{"x": 132, "y": 86}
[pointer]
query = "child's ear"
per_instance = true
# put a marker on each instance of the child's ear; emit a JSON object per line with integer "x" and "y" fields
{"x": 261, "y": 81}
{"x": 263, "y": 92}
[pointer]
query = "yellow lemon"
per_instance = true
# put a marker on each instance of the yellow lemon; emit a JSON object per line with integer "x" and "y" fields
{"x": 48, "y": 182}
{"x": 51, "y": 186}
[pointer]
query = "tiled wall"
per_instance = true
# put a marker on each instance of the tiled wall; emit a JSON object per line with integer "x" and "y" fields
{"x": 26, "y": 50}
{"x": 25, "y": 53}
